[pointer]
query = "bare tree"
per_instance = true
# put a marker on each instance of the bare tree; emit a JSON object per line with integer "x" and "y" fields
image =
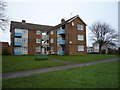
{"x": 103, "y": 34}
{"x": 3, "y": 17}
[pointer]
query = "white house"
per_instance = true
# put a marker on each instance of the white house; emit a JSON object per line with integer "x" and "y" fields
{"x": 105, "y": 47}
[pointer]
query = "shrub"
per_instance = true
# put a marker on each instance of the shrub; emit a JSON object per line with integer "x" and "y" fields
{"x": 113, "y": 51}
{"x": 41, "y": 59}
{"x": 5, "y": 51}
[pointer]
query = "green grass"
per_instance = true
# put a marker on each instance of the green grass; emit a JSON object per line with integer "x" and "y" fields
{"x": 84, "y": 58}
{"x": 104, "y": 75}
{"x": 20, "y": 63}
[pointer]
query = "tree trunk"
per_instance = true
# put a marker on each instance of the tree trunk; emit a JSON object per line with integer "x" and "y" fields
{"x": 100, "y": 51}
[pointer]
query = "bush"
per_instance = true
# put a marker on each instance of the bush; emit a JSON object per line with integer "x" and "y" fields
{"x": 41, "y": 59}
{"x": 5, "y": 51}
{"x": 113, "y": 51}
{"x": 93, "y": 53}
{"x": 119, "y": 51}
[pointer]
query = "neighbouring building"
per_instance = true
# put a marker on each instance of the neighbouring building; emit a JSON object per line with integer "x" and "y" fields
{"x": 90, "y": 49}
{"x": 5, "y": 45}
{"x": 95, "y": 47}
{"x": 66, "y": 38}
{"x": 5, "y": 48}
{"x": 110, "y": 46}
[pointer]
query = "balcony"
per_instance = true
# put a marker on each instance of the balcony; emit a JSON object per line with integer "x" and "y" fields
{"x": 61, "y": 31}
{"x": 62, "y": 42}
{"x": 17, "y": 53}
{"x": 18, "y": 34}
{"x": 61, "y": 52}
{"x": 17, "y": 44}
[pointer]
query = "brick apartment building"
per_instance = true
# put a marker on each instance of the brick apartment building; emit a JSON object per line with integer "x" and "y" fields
{"x": 66, "y": 38}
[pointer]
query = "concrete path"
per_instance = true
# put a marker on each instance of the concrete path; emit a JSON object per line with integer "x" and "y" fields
{"x": 68, "y": 62}
{"x": 43, "y": 70}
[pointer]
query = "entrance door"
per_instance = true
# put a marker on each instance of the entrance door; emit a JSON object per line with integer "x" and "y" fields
{"x": 43, "y": 50}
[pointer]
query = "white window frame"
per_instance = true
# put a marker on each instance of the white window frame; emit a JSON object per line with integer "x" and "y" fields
{"x": 52, "y": 40}
{"x": 80, "y": 47}
{"x": 38, "y": 49}
{"x": 80, "y": 27}
{"x": 38, "y": 40}
{"x": 38, "y": 32}
{"x": 81, "y": 37}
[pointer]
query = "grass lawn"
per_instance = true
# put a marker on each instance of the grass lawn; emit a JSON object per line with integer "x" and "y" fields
{"x": 19, "y": 63}
{"x": 104, "y": 75}
{"x": 83, "y": 58}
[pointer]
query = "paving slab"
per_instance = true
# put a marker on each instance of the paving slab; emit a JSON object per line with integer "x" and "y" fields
{"x": 43, "y": 70}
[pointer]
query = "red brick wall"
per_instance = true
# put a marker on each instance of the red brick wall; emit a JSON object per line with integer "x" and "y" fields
{"x": 72, "y": 35}
{"x": 54, "y": 44}
{"x": 12, "y": 41}
{"x": 32, "y": 42}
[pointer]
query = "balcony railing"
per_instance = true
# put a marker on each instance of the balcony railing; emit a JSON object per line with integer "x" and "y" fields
{"x": 17, "y": 44}
{"x": 18, "y": 34}
{"x": 62, "y": 42}
{"x": 17, "y": 53}
{"x": 61, "y": 52}
{"x": 61, "y": 31}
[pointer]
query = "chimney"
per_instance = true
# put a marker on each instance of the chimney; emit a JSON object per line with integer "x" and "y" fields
{"x": 62, "y": 20}
{"x": 23, "y": 21}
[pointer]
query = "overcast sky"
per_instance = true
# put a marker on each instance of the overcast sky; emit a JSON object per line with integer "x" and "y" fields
{"x": 50, "y": 13}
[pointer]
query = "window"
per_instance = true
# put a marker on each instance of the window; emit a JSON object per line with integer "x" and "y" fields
{"x": 59, "y": 38}
{"x": 25, "y": 40}
{"x": 51, "y": 32}
{"x": 18, "y": 30}
{"x": 72, "y": 23}
{"x": 18, "y": 40}
{"x": 80, "y": 37}
{"x": 38, "y": 40}
{"x": 80, "y": 48}
{"x": 17, "y": 49}
{"x": 38, "y": 49}
{"x": 80, "y": 27}
{"x": 24, "y": 49}
{"x": 38, "y": 32}
{"x": 44, "y": 33}
{"x": 52, "y": 40}
{"x": 24, "y": 31}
